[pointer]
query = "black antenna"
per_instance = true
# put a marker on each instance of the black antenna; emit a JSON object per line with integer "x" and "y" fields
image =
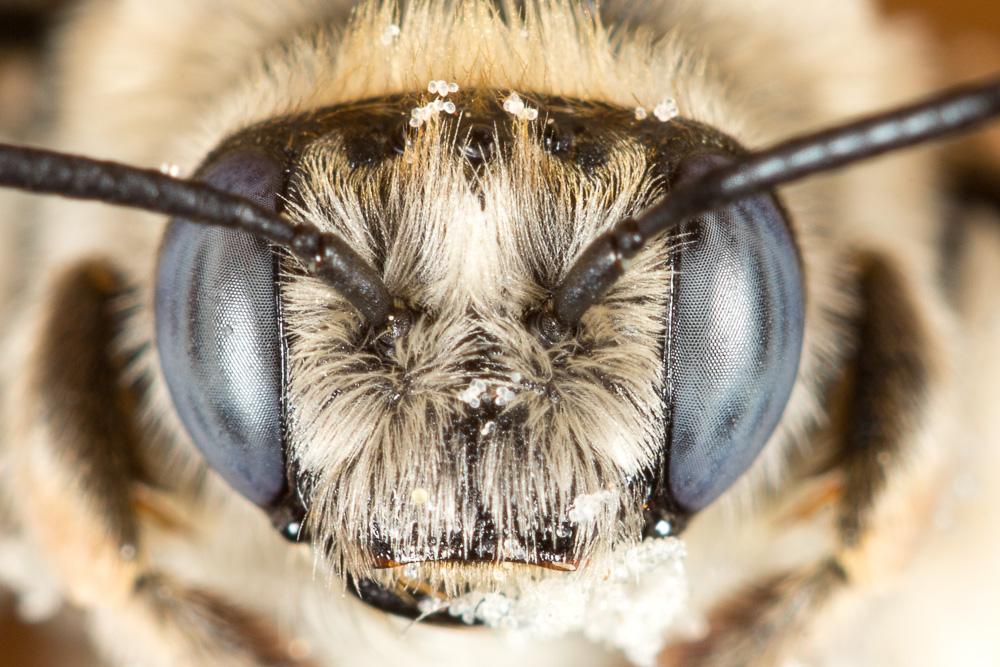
{"x": 326, "y": 255}
{"x": 600, "y": 264}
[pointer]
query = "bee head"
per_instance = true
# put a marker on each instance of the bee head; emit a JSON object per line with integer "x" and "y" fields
{"x": 477, "y": 382}
{"x": 474, "y": 429}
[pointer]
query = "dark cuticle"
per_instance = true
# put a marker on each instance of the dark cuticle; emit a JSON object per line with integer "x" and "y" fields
{"x": 627, "y": 238}
{"x": 479, "y": 147}
{"x": 591, "y": 156}
{"x": 400, "y": 139}
{"x": 288, "y": 516}
{"x": 400, "y": 322}
{"x": 292, "y": 531}
{"x": 397, "y": 325}
{"x": 306, "y": 243}
{"x": 367, "y": 149}
{"x": 548, "y": 327}
{"x": 557, "y": 140}
{"x": 659, "y": 524}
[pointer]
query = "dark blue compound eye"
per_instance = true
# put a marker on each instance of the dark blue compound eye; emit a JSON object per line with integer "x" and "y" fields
{"x": 218, "y": 333}
{"x": 734, "y": 338}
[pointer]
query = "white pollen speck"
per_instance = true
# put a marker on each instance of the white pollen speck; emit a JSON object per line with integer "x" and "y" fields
{"x": 504, "y": 395}
{"x": 421, "y": 115}
{"x": 170, "y": 169}
{"x": 430, "y": 605}
{"x": 513, "y": 550}
{"x": 641, "y": 113}
{"x": 662, "y": 528}
{"x": 390, "y": 34}
{"x": 452, "y": 87}
{"x": 419, "y": 496}
{"x": 587, "y": 506}
{"x": 666, "y": 110}
{"x": 492, "y": 608}
{"x": 411, "y": 570}
{"x": 513, "y": 104}
{"x": 443, "y": 88}
{"x": 440, "y": 87}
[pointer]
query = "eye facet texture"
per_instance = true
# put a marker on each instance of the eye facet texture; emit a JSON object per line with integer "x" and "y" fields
{"x": 734, "y": 338}
{"x": 218, "y": 334}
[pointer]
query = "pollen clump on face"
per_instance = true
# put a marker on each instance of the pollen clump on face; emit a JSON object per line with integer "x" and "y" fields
{"x": 422, "y": 114}
{"x": 666, "y": 110}
{"x": 629, "y": 601}
{"x": 587, "y": 507}
{"x": 472, "y": 393}
{"x": 478, "y": 390}
{"x": 504, "y": 395}
{"x": 442, "y": 88}
{"x": 516, "y": 107}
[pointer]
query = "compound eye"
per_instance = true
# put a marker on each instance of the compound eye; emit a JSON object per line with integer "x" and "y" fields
{"x": 733, "y": 344}
{"x": 218, "y": 333}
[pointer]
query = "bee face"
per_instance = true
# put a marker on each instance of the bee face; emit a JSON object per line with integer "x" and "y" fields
{"x": 471, "y": 432}
{"x": 478, "y": 434}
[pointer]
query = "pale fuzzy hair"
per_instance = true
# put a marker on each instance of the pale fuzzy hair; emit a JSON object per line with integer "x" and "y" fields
{"x": 468, "y": 252}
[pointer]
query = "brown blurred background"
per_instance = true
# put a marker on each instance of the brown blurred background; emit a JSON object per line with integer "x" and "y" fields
{"x": 967, "y": 32}
{"x": 952, "y": 17}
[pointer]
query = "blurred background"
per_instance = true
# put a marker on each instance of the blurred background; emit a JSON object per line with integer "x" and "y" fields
{"x": 966, "y": 34}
